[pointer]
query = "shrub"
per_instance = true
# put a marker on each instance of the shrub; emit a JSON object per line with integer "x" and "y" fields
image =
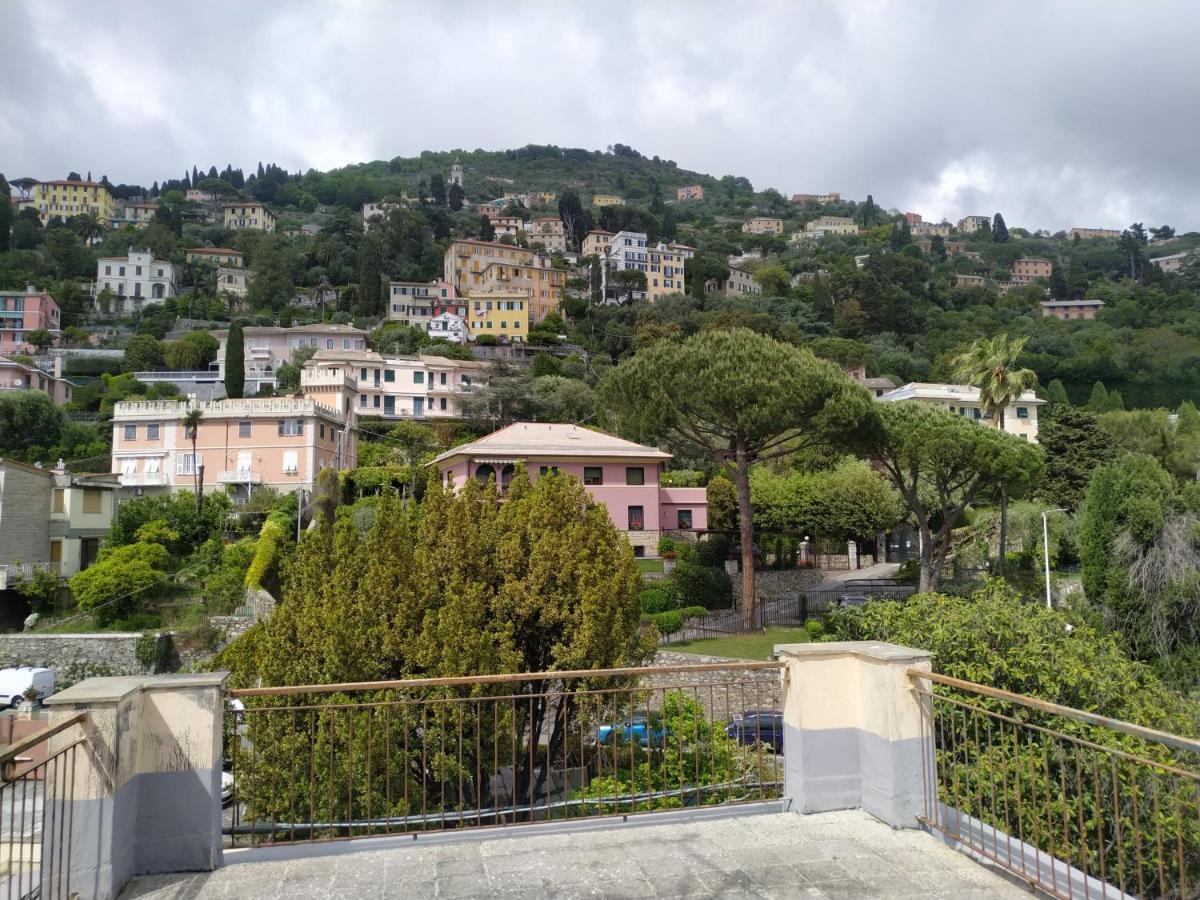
{"x": 713, "y": 551}
{"x": 92, "y": 365}
{"x": 702, "y": 586}
{"x": 815, "y": 629}
{"x": 146, "y": 650}
{"x": 122, "y": 576}
{"x": 656, "y": 600}
{"x": 693, "y": 612}
{"x": 665, "y": 545}
{"x": 263, "y": 567}
{"x": 668, "y": 622}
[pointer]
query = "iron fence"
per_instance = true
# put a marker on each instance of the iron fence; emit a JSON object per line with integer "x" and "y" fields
{"x": 1076, "y": 804}
{"x": 327, "y": 762}
{"x": 37, "y": 787}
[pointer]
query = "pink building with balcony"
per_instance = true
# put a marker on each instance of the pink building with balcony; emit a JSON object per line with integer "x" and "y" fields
{"x": 622, "y": 475}
{"x": 22, "y": 312}
{"x": 16, "y": 376}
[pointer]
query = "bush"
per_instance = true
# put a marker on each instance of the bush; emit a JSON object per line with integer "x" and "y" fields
{"x": 263, "y": 568}
{"x": 713, "y": 551}
{"x": 656, "y": 600}
{"x": 815, "y": 629}
{"x": 112, "y": 588}
{"x": 146, "y": 650}
{"x": 665, "y": 545}
{"x": 225, "y": 587}
{"x": 693, "y": 612}
{"x": 668, "y": 622}
{"x": 92, "y": 365}
{"x": 702, "y": 586}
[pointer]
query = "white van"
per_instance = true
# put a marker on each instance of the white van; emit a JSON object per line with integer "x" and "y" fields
{"x": 15, "y": 684}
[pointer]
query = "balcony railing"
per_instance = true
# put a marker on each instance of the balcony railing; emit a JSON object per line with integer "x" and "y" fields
{"x": 240, "y": 476}
{"x": 13, "y": 573}
{"x": 145, "y": 479}
{"x": 332, "y": 761}
{"x": 1076, "y": 804}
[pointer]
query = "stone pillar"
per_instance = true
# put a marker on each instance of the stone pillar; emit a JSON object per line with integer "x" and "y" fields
{"x": 144, "y": 793}
{"x": 852, "y": 554}
{"x": 854, "y": 732}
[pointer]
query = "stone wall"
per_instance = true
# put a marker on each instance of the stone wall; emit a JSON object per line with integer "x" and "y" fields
{"x": 779, "y": 584}
{"x": 721, "y": 692}
{"x": 73, "y": 656}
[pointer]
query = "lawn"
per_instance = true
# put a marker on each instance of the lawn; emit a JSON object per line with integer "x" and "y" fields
{"x": 649, "y": 565}
{"x": 757, "y": 645}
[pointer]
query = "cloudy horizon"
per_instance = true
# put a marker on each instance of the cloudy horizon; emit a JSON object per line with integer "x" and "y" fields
{"x": 1055, "y": 114}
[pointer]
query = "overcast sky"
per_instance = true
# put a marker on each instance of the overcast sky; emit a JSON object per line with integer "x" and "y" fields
{"x": 1053, "y": 113}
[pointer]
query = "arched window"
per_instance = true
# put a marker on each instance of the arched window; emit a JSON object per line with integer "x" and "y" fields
{"x": 506, "y": 475}
{"x": 483, "y": 473}
{"x": 157, "y": 291}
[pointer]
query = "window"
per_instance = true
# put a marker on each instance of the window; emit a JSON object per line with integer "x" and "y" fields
{"x": 131, "y": 432}
{"x": 593, "y": 475}
{"x": 637, "y": 518}
{"x": 376, "y": 404}
{"x": 362, "y": 400}
{"x": 244, "y": 427}
{"x": 58, "y": 503}
{"x": 291, "y": 462}
{"x": 389, "y": 376}
{"x": 187, "y": 464}
{"x": 322, "y": 431}
{"x": 152, "y": 432}
{"x": 329, "y": 343}
{"x": 290, "y": 427}
{"x": 1022, "y": 412}
{"x": 546, "y": 470}
{"x": 635, "y": 475}
{"x": 128, "y": 466}
{"x": 684, "y": 520}
{"x": 443, "y": 403}
{"x": 639, "y": 551}
{"x": 345, "y": 343}
{"x": 152, "y": 466}
{"x": 418, "y": 377}
{"x": 389, "y": 406}
{"x": 443, "y": 378}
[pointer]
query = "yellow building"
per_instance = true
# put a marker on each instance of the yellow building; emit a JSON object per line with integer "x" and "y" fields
{"x": 597, "y": 243}
{"x": 607, "y": 200}
{"x": 763, "y": 225}
{"x": 503, "y": 314}
{"x": 248, "y": 214}
{"x": 475, "y": 266}
{"x": 665, "y": 273}
{"x": 72, "y": 198}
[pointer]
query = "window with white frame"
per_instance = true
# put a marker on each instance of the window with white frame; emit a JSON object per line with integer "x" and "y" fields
{"x": 291, "y": 462}
{"x": 128, "y": 466}
{"x": 243, "y": 461}
{"x": 187, "y": 463}
{"x": 152, "y": 466}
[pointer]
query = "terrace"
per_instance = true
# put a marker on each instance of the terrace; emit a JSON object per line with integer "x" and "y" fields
{"x": 837, "y": 770}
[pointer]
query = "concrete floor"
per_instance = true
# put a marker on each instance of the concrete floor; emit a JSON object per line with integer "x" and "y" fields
{"x": 830, "y": 855}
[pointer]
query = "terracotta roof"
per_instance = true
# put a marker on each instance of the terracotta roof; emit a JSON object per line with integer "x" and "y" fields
{"x": 225, "y": 250}
{"x": 538, "y": 439}
{"x": 80, "y": 183}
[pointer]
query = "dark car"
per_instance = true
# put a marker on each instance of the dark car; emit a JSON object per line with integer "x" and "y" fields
{"x": 757, "y": 726}
{"x": 852, "y": 600}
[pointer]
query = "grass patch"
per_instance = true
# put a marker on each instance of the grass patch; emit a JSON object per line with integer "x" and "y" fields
{"x": 757, "y": 645}
{"x": 649, "y": 565}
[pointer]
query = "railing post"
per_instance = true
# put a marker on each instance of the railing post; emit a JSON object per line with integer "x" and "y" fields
{"x": 143, "y": 795}
{"x": 854, "y": 729}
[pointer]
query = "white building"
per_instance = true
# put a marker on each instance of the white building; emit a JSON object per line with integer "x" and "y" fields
{"x": 234, "y": 281}
{"x": 136, "y": 280}
{"x": 456, "y": 173}
{"x": 400, "y": 387}
{"x": 1174, "y": 262}
{"x": 1020, "y": 418}
{"x": 449, "y": 327}
{"x": 417, "y": 302}
{"x": 627, "y": 251}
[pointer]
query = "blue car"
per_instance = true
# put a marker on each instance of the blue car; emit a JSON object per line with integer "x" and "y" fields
{"x": 757, "y": 726}
{"x": 644, "y": 729}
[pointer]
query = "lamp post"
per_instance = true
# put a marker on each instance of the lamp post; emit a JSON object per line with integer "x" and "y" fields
{"x": 1046, "y": 550}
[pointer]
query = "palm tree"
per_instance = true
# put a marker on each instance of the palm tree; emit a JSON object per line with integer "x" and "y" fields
{"x": 191, "y": 428}
{"x": 990, "y": 364}
{"x": 88, "y": 227}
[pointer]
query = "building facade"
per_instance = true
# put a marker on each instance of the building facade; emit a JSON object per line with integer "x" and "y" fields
{"x": 474, "y": 267}
{"x": 739, "y": 283}
{"x": 972, "y": 224}
{"x": 1089, "y": 234}
{"x": 138, "y": 214}
{"x": 831, "y": 197}
{"x": 929, "y": 229}
{"x": 1020, "y": 417}
{"x": 1069, "y": 310}
{"x": 22, "y": 312}
{"x": 24, "y": 518}
{"x": 502, "y": 314}
{"x": 277, "y": 442}
{"x": 689, "y": 192}
{"x": 17, "y": 376}
{"x": 622, "y": 475}
{"x": 602, "y": 200}
{"x": 825, "y": 225}
{"x": 81, "y": 514}
{"x": 418, "y": 302}
{"x": 63, "y": 199}
{"x": 267, "y": 347}
{"x": 763, "y": 225}
{"x": 448, "y": 326}
{"x": 1029, "y": 269}
{"x": 1174, "y": 262}
{"x": 549, "y": 232}
{"x": 136, "y": 280}
{"x": 234, "y": 281}
{"x": 399, "y": 387}
{"x": 216, "y": 256}
{"x": 597, "y": 243}
{"x": 248, "y": 214}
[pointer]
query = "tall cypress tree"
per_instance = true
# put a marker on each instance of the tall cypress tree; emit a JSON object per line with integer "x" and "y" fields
{"x": 235, "y": 361}
{"x": 6, "y": 215}
{"x": 999, "y": 229}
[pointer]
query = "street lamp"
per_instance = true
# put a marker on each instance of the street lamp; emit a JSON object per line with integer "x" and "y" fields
{"x": 1046, "y": 550}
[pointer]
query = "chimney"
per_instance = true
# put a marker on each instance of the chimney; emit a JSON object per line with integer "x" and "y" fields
{"x": 58, "y": 366}
{"x": 30, "y": 289}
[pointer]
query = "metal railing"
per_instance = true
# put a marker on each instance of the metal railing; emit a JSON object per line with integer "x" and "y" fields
{"x": 326, "y": 762}
{"x": 1077, "y": 804}
{"x": 37, "y": 789}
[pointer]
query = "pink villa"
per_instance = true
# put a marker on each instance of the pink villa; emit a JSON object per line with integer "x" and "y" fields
{"x": 16, "y": 376}
{"x": 279, "y": 442}
{"x": 22, "y": 312}
{"x": 622, "y": 475}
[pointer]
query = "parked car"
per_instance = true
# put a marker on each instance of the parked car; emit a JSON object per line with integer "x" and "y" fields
{"x": 757, "y": 726}
{"x": 646, "y": 729}
{"x": 852, "y": 600}
{"x": 226, "y": 788}
{"x": 20, "y": 682}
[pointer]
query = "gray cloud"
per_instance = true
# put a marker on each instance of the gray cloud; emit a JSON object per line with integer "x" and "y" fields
{"x": 1054, "y": 113}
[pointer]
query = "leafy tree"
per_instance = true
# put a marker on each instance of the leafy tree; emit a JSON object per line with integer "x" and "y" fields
{"x": 1162, "y": 233}
{"x": 415, "y": 443}
{"x": 41, "y": 588}
{"x": 850, "y": 501}
{"x": 868, "y": 213}
{"x": 736, "y": 397}
{"x": 456, "y": 197}
{"x": 1075, "y": 447}
{"x": 27, "y": 230}
{"x": 143, "y": 353}
{"x": 487, "y": 231}
{"x": 206, "y": 345}
{"x": 287, "y": 376}
{"x": 437, "y": 189}
{"x": 40, "y": 338}
{"x": 774, "y": 280}
{"x": 559, "y": 399}
{"x": 940, "y": 463}
{"x": 177, "y": 514}
{"x": 901, "y": 236}
{"x": 235, "y": 361}
{"x": 270, "y": 284}
{"x": 722, "y": 504}
{"x": 1099, "y": 401}
{"x": 181, "y": 355}
{"x": 122, "y": 577}
{"x": 937, "y": 247}
{"x": 1056, "y": 397}
{"x": 370, "y": 277}
{"x": 999, "y": 230}
{"x": 28, "y": 419}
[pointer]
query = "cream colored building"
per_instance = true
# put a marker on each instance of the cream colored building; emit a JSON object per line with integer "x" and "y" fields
{"x": 216, "y": 256}
{"x": 597, "y": 243}
{"x": 1069, "y": 310}
{"x": 763, "y": 225}
{"x": 248, "y": 214}
{"x": 232, "y": 280}
{"x": 1020, "y": 417}
{"x": 547, "y": 231}
{"x": 929, "y": 229}
{"x": 826, "y": 225}
{"x": 600, "y": 200}
{"x": 136, "y": 280}
{"x": 1088, "y": 234}
{"x": 267, "y": 347}
{"x": 64, "y": 199}
{"x": 1029, "y": 269}
{"x": 474, "y": 267}
{"x": 972, "y": 224}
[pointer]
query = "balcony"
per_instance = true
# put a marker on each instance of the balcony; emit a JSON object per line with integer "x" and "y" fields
{"x": 259, "y": 352}
{"x": 14, "y": 573}
{"x": 145, "y": 479}
{"x": 239, "y": 476}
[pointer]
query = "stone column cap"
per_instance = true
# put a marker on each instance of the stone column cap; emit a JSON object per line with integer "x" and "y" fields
{"x": 871, "y": 650}
{"x": 111, "y": 690}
